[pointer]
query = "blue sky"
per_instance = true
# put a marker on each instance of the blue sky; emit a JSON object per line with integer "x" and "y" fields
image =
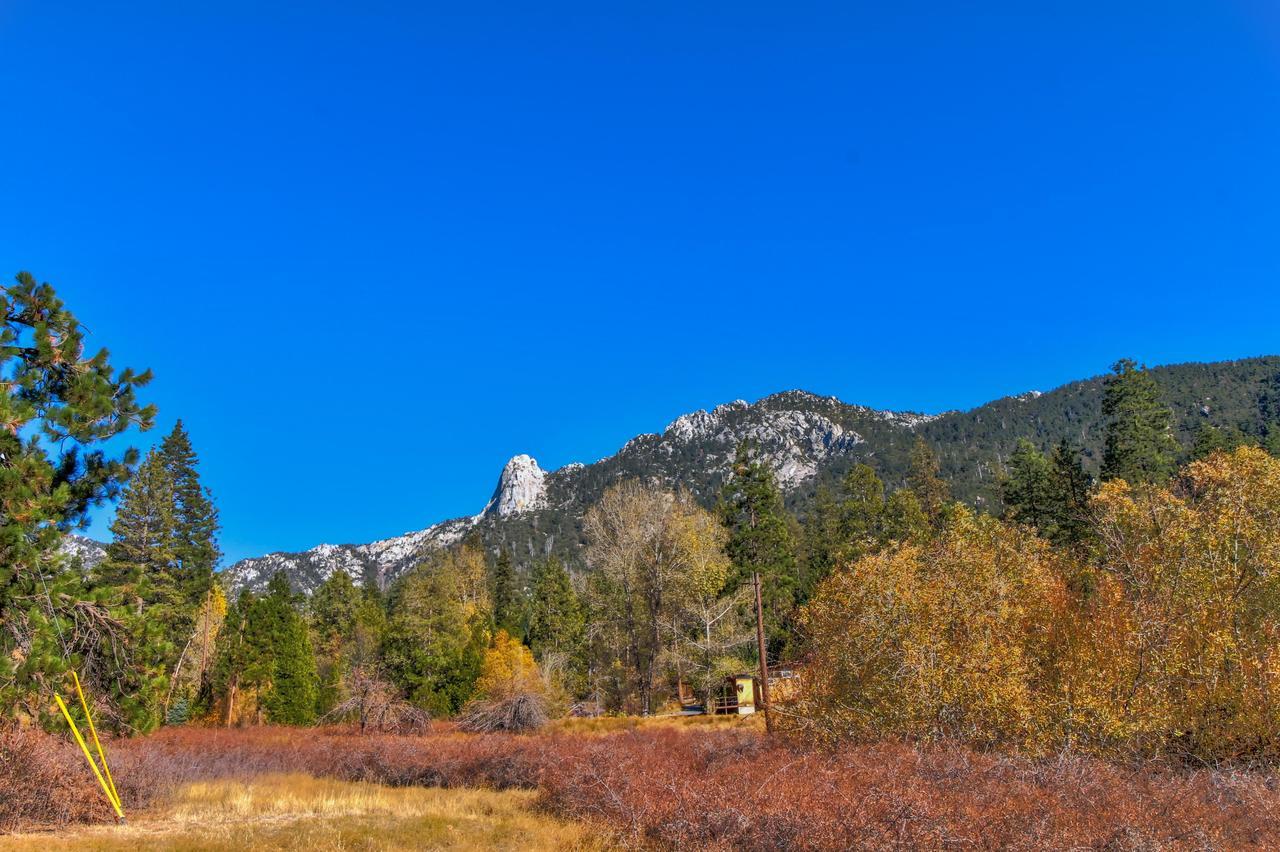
{"x": 373, "y": 250}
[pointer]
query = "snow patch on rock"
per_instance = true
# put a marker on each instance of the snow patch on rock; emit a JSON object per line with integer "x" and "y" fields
{"x": 90, "y": 553}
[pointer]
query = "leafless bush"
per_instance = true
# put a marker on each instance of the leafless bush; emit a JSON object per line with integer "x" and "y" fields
{"x": 513, "y": 714}
{"x": 376, "y": 705}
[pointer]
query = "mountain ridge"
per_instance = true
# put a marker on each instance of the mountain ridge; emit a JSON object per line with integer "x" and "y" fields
{"x": 807, "y": 438}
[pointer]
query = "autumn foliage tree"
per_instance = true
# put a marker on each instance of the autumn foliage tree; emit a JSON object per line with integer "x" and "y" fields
{"x": 1164, "y": 642}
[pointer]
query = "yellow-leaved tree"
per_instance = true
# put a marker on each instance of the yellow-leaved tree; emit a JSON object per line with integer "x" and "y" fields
{"x": 1165, "y": 640}
{"x": 943, "y": 641}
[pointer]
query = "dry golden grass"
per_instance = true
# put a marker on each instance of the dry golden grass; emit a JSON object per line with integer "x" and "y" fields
{"x": 613, "y": 724}
{"x": 302, "y": 812}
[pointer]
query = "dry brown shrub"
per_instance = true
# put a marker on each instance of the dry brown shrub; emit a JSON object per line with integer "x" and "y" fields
{"x": 516, "y": 714}
{"x": 709, "y": 788}
{"x": 44, "y": 781}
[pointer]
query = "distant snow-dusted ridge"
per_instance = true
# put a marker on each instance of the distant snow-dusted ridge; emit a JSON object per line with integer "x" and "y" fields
{"x": 794, "y": 432}
{"x": 89, "y": 552}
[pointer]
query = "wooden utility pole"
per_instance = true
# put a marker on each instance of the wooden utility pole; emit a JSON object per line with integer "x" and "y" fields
{"x": 764, "y": 660}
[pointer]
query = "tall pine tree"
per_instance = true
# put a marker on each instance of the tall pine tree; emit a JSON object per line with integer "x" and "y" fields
{"x": 58, "y": 406}
{"x": 280, "y": 633}
{"x": 1050, "y": 493}
{"x": 556, "y": 622}
{"x": 1028, "y": 486}
{"x": 761, "y": 540}
{"x": 508, "y": 600}
{"x": 195, "y": 517}
{"x": 138, "y": 577}
{"x": 1140, "y": 447}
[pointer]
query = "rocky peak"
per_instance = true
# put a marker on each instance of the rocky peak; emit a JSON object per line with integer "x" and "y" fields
{"x": 521, "y": 487}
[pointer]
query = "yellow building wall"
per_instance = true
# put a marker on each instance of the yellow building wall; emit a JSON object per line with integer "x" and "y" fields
{"x": 746, "y": 694}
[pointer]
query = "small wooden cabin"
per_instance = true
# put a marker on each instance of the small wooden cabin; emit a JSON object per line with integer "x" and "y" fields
{"x": 740, "y": 693}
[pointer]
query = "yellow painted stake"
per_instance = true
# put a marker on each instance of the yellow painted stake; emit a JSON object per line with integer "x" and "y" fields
{"x": 84, "y": 748}
{"x": 102, "y": 755}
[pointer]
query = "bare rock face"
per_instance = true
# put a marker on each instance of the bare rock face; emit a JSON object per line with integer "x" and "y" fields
{"x": 521, "y": 487}
{"x": 792, "y": 441}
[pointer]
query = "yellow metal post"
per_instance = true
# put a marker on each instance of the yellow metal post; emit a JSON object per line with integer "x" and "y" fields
{"x": 87, "y": 756}
{"x": 102, "y": 755}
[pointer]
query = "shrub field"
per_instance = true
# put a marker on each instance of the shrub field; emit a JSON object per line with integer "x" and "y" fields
{"x": 701, "y": 786}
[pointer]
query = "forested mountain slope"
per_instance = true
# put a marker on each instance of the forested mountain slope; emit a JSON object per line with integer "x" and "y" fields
{"x": 807, "y": 440}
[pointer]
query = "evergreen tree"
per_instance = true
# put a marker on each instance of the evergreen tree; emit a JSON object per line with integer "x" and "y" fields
{"x": 930, "y": 489}
{"x": 57, "y": 407}
{"x": 1050, "y": 493}
{"x": 1210, "y": 439}
{"x": 1140, "y": 447}
{"x": 234, "y": 660}
{"x": 265, "y": 667}
{"x": 761, "y": 540}
{"x": 195, "y": 517}
{"x": 508, "y": 601}
{"x": 141, "y": 559}
{"x": 821, "y": 541}
{"x": 904, "y": 519}
{"x": 335, "y": 609}
{"x": 842, "y": 532}
{"x": 279, "y": 633}
{"x": 138, "y": 577}
{"x": 556, "y": 622}
{"x": 436, "y": 634}
{"x": 1028, "y": 487}
{"x": 862, "y": 512}
{"x": 1071, "y": 488}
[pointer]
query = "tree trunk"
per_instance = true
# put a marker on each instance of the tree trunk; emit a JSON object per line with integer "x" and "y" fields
{"x": 231, "y": 703}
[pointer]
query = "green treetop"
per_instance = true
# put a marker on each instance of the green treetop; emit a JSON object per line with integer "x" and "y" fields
{"x": 556, "y": 620}
{"x": 761, "y": 540}
{"x": 196, "y": 549}
{"x": 1140, "y": 447}
{"x": 508, "y": 601}
{"x": 57, "y": 406}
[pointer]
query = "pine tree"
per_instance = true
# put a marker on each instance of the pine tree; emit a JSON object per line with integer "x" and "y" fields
{"x": 904, "y": 519}
{"x": 436, "y": 633}
{"x": 277, "y": 629}
{"x": 141, "y": 559}
{"x": 1140, "y": 447}
{"x": 842, "y": 532}
{"x": 761, "y": 540}
{"x": 236, "y": 661}
{"x": 138, "y": 576}
{"x": 335, "y": 609}
{"x": 1028, "y": 487}
{"x": 1210, "y": 439}
{"x": 508, "y": 602}
{"x": 931, "y": 490}
{"x": 556, "y": 623}
{"x": 1071, "y": 489}
{"x": 1050, "y": 493}
{"x": 57, "y": 407}
{"x": 195, "y": 517}
{"x": 821, "y": 541}
{"x": 1269, "y": 410}
{"x": 862, "y": 512}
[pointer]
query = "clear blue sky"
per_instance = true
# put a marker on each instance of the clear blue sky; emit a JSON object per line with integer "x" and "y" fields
{"x": 372, "y": 250}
